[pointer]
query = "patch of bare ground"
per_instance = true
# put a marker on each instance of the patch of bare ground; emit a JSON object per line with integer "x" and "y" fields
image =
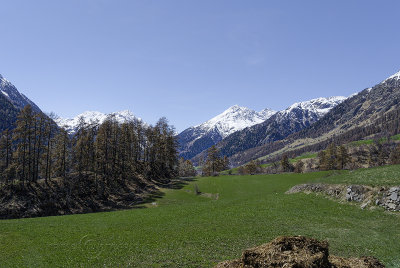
{"x": 296, "y": 252}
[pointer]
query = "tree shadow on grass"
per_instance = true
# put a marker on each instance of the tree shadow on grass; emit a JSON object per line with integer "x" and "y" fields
{"x": 174, "y": 184}
{"x": 179, "y": 183}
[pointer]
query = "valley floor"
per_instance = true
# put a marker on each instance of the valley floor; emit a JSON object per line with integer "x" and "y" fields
{"x": 182, "y": 229}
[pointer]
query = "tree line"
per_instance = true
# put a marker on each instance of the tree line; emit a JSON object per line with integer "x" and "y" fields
{"x": 37, "y": 149}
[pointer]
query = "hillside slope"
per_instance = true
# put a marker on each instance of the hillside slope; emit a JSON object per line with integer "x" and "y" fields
{"x": 373, "y": 111}
{"x": 295, "y": 118}
{"x": 18, "y": 99}
{"x": 11, "y": 102}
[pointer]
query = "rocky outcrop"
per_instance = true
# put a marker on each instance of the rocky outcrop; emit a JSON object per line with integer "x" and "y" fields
{"x": 388, "y": 198}
{"x": 299, "y": 252}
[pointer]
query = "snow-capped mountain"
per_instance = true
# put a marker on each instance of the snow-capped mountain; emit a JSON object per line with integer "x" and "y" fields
{"x": 198, "y": 138}
{"x": 18, "y": 99}
{"x": 319, "y": 106}
{"x": 71, "y": 124}
{"x": 11, "y": 103}
{"x": 281, "y": 124}
{"x": 235, "y": 118}
{"x": 372, "y": 112}
{"x": 396, "y": 76}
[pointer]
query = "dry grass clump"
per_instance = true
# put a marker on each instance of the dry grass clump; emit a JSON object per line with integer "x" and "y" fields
{"x": 296, "y": 252}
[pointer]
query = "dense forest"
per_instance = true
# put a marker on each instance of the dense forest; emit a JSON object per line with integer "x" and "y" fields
{"x": 98, "y": 161}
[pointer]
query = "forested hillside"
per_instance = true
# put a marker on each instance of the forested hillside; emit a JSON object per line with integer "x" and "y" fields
{"x": 98, "y": 164}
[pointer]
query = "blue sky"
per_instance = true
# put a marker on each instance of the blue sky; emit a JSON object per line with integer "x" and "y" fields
{"x": 190, "y": 60}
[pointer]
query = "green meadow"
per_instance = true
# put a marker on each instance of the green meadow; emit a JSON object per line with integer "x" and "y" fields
{"x": 182, "y": 229}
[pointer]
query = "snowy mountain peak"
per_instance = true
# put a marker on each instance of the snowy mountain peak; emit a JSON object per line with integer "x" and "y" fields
{"x": 71, "y": 124}
{"x": 198, "y": 138}
{"x": 14, "y": 96}
{"x": 395, "y": 76}
{"x": 233, "y": 119}
{"x": 319, "y": 106}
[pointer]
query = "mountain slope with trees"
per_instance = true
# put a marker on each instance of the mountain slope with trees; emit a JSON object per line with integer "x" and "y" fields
{"x": 280, "y": 125}
{"x": 372, "y": 112}
{"x": 45, "y": 171}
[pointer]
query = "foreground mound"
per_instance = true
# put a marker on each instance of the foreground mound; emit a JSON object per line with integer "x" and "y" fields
{"x": 299, "y": 252}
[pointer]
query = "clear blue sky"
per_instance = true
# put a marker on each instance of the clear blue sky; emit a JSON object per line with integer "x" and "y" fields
{"x": 190, "y": 60}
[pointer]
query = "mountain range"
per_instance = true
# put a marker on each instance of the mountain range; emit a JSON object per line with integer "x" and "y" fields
{"x": 240, "y": 128}
{"x": 294, "y": 118}
{"x": 71, "y": 124}
{"x": 196, "y": 139}
{"x": 373, "y": 112}
{"x": 243, "y": 134}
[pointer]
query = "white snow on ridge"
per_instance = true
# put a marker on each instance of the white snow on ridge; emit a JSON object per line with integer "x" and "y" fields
{"x": 395, "y": 76}
{"x": 5, "y": 93}
{"x": 70, "y": 124}
{"x": 319, "y": 106}
{"x": 235, "y": 118}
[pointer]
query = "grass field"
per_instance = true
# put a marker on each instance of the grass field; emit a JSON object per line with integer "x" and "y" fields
{"x": 182, "y": 229}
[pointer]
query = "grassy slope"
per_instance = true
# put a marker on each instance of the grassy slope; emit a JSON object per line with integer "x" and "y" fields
{"x": 386, "y": 175}
{"x": 186, "y": 230}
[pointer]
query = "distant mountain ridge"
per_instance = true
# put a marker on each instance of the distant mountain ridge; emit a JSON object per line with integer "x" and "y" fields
{"x": 71, "y": 124}
{"x": 198, "y": 138}
{"x": 373, "y": 111}
{"x": 280, "y": 125}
